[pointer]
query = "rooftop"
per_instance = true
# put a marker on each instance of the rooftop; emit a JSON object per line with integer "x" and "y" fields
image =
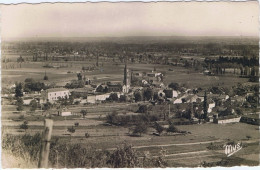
{"x": 57, "y": 89}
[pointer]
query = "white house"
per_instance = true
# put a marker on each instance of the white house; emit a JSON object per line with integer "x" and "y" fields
{"x": 102, "y": 97}
{"x": 27, "y": 101}
{"x": 56, "y": 93}
{"x": 64, "y": 112}
{"x": 211, "y": 106}
{"x": 91, "y": 99}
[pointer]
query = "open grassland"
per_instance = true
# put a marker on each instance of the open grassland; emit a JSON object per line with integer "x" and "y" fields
{"x": 111, "y": 72}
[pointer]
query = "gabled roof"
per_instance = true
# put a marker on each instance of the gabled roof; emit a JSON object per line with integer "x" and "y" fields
{"x": 56, "y": 89}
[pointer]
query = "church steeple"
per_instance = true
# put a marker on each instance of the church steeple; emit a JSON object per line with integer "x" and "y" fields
{"x": 126, "y": 81}
{"x": 126, "y": 73}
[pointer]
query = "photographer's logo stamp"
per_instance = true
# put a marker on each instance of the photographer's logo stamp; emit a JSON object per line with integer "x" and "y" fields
{"x": 230, "y": 149}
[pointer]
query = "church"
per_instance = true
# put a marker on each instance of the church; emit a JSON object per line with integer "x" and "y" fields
{"x": 127, "y": 78}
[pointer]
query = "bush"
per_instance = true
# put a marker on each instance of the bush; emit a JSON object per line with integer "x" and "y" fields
{"x": 75, "y": 155}
{"x": 138, "y": 96}
{"x": 112, "y": 97}
{"x": 19, "y": 108}
{"x": 76, "y": 124}
{"x": 122, "y": 98}
{"x": 142, "y": 109}
{"x": 140, "y": 128}
{"x": 71, "y": 130}
{"x": 158, "y": 128}
{"x": 124, "y": 157}
{"x": 87, "y": 135}
{"x": 24, "y": 125}
{"x": 84, "y": 113}
{"x": 26, "y": 146}
{"x": 33, "y": 105}
{"x": 172, "y": 129}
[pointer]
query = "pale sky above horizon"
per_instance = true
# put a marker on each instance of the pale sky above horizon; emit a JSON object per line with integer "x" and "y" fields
{"x": 130, "y": 19}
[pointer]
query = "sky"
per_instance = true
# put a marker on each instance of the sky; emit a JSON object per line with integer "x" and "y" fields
{"x": 130, "y": 19}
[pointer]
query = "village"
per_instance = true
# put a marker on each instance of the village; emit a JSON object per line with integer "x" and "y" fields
{"x": 124, "y": 95}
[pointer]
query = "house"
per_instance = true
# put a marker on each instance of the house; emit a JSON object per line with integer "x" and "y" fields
{"x": 101, "y": 88}
{"x": 154, "y": 74}
{"x": 114, "y": 88}
{"x": 64, "y": 112}
{"x": 91, "y": 99}
{"x": 102, "y": 97}
{"x": 225, "y": 119}
{"x": 211, "y": 105}
{"x": 27, "y": 101}
{"x": 54, "y": 94}
{"x": 138, "y": 74}
{"x": 180, "y": 99}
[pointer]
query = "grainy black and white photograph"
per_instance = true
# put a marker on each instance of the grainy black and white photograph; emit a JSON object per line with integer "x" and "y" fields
{"x": 130, "y": 85}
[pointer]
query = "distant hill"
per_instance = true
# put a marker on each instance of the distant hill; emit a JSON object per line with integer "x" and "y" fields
{"x": 144, "y": 39}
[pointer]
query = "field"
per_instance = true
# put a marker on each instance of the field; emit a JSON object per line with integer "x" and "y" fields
{"x": 179, "y": 148}
{"x": 114, "y": 72}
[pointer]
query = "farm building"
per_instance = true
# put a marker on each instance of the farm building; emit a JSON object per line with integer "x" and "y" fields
{"x": 54, "y": 94}
{"x": 223, "y": 120}
{"x": 64, "y": 112}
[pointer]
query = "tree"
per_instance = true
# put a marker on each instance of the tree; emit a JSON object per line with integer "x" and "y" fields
{"x": 20, "y": 59}
{"x": 158, "y": 128}
{"x": 19, "y": 90}
{"x": 174, "y": 86}
{"x": 47, "y": 106}
{"x": 24, "y": 125}
{"x": 84, "y": 113}
{"x": 19, "y": 104}
{"x": 140, "y": 128}
{"x": 71, "y": 130}
{"x": 122, "y": 98}
{"x": 33, "y": 105}
{"x": 19, "y": 108}
{"x": 79, "y": 75}
{"x": 32, "y": 85}
{"x": 138, "y": 96}
{"x": 45, "y": 77}
{"x": 113, "y": 97}
{"x": 148, "y": 94}
{"x": 205, "y": 106}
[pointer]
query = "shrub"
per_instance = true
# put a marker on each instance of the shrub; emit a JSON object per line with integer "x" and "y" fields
{"x": 112, "y": 97}
{"x": 124, "y": 157}
{"x": 158, "y": 128}
{"x": 84, "y": 113}
{"x": 19, "y": 108}
{"x": 24, "y": 125}
{"x": 33, "y": 105}
{"x": 172, "y": 128}
{"x": 87, "y": 135}
{"x": 71, "y": 130}
{"x": 140, "y": 128}
{"x": 142, "y": 109}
